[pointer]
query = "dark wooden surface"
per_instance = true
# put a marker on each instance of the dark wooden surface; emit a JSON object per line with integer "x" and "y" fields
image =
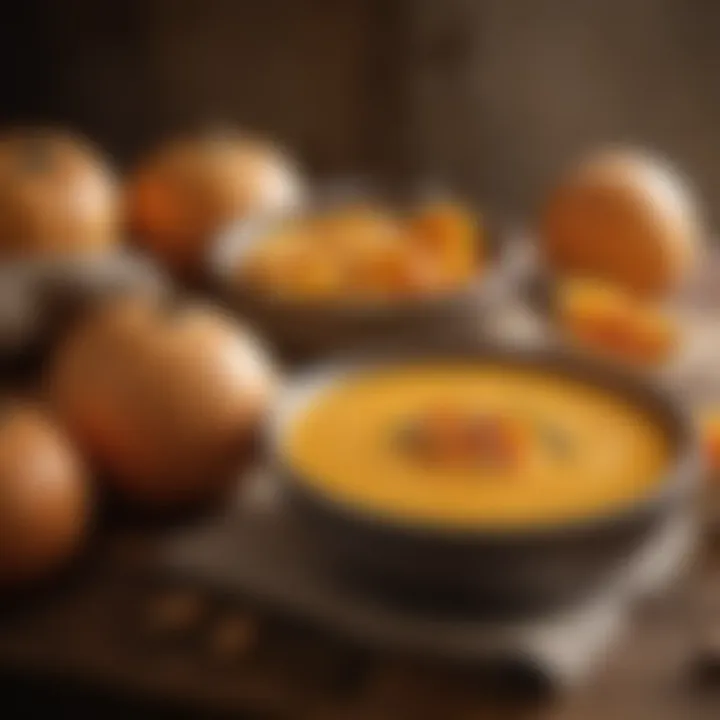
{"x": 103, "y": 636}
{"x": 312, "y": 74}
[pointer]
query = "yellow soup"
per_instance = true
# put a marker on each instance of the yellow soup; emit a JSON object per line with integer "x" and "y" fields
{"x": 510, "y": 447}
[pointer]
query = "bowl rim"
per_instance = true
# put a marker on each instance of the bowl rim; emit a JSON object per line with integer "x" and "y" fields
{"x": 680, "y": 479}
{"x": 240, "y": 236}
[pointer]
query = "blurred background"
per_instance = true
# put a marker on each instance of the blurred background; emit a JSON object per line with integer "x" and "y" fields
{"x": 493, "y": 95}
{"x": 490, "y": 96}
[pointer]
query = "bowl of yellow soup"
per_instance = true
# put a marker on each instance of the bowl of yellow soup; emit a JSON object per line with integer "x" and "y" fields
{"x": 492, "y": 475}
{"x": 357, "y": 267}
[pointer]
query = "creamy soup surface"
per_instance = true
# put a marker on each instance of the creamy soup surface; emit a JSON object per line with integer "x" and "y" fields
{"x": 585, "y": 452}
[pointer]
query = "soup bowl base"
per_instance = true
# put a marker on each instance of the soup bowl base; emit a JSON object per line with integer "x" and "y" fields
{"x": 257, "y": 554}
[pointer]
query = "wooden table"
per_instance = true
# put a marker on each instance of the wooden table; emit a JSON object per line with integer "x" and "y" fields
{"x": 104, "y": 630}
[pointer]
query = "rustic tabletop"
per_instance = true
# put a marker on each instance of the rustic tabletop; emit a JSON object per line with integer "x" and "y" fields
{"x": 105, "y": 629}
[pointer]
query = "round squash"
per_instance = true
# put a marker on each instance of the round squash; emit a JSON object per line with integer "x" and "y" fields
{"x": 189, "y": 189}
{"x": 167, "y": 399}
{"x": 57, "y": 196}
{"x": 44, "y": 495}
{"x": 623, "y": 217}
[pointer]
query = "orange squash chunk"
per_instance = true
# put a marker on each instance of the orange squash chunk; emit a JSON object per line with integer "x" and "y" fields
{"x": 450, "y": 438}
{"x": 294, "y": 269}
{"x": 607, "y": 319}
{"x": 361, "y": 252}
{"x": 272, "y": 265}
{"x": 392, "y": 269}
{"x": 318, "y": 278}
{"x": 450, "y": 235}
{"x": 710, "y": 434}
{"x": 354, "y": 226}
{"x": 657, "y": 335}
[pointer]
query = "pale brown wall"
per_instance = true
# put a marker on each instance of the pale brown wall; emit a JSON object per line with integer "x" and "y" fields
{"x": 530, "y": 85}
{"x": 494, "y": 94}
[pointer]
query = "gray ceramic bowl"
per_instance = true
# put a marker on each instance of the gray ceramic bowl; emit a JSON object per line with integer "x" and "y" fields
{"x": 481, "y": 567}
{"x": 39, "y": 297}
{"x": 310, "y": 330}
